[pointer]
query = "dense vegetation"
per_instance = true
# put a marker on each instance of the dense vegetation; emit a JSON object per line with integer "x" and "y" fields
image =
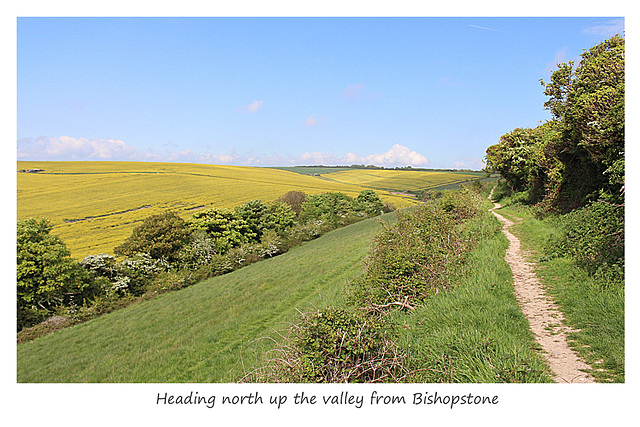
{"x": 574, "y": 163}
{"x": 566, "y": 177}
{"x": 414, "y": 263}
{"x": 167, "y": 253}
{"x": 209, "y": 332}
{"x": 94, "y": 206}
{"x": 577, "y": 157}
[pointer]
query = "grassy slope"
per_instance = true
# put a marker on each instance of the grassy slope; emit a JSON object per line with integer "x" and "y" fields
{"x": 475, "y": 332}
{"x": 597, "y": 313}
{"x": 203, "y": 333}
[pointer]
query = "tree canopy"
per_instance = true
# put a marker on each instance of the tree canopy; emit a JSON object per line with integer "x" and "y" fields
{"x": 578, "y": 156}
{"x": 46, "y": 275}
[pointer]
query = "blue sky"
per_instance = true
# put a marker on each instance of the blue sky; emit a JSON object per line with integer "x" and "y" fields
{"x": 425, "y": 92}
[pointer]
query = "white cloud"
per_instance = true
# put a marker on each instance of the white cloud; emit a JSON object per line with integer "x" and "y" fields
{"x": 68, "y": 148}
{"x": 253, "y": 107}
{"x": 398, "y": 155}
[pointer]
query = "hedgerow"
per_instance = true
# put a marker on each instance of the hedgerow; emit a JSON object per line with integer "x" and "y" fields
{"x": 166, "y": 253}
{"x": 409, "y": 262}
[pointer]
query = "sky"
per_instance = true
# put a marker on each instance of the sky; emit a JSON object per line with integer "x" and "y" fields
{"x": 388, "y": 91}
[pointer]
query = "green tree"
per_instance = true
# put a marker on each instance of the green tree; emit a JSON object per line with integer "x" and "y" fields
{"x": 47, "y": 276}
{"x": 578, "y": 157}
{"x": 279, "y": 216}
{"x": 589, "y": 103}
{"x": 334, "y": 208}
{"x": 161, "y": 236}
{"x": 370, "y": 202}
{"x": 254, "y": 213}
{"x": 224, "y": 226}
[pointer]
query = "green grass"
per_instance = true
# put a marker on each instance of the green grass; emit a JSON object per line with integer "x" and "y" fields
{"x": 597, "y": 312}
{"x": 205, "y": 333}
{"x": 475, "y": 332}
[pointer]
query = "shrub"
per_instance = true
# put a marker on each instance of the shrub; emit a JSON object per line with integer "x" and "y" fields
{"x": 336, "y": 209}
{"x": 254, "y": 213}
{"x": 414, "y": 259}
{"x": 198, "y": 251}
{"x": 160, "y": 236}
{"x": 335, "y": 345}
{"x": 134, "y": 273}
{"x": 175, "y": 280}
{"x": 594, "y": 237}
{"x": 294, "y": 199}
{"x": 224, "y": 226}
{"x": 370, "y": 202}
{"x": 270, "y": 245}
{"x": 280, "y": 217}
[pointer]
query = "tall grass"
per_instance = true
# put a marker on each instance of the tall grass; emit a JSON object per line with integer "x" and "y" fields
{"x": 210, "y": 332}
{"x": 593, "y": 307}
{"x": 475, "y": 331}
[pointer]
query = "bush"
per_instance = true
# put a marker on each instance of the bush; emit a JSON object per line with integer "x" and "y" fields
{"x": 335, "y": 345}
{"x": 413, "y": 259}
{"x": 254, "y": 213}
{"x": 369, "y": 201}
{"x": 594, "y": 237}
{"x": 336, "y": 209}
{"x": 199, "y": 251}
{"x": 294, "y": 199}
{"x": 176, "y": 280}
{"x": 160, "y": 236}
{"x": 224, "y": 226}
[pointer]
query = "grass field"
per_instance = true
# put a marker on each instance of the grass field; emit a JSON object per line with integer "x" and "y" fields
{"x": 94, "y": 206}
{"x": 204, "y": 333}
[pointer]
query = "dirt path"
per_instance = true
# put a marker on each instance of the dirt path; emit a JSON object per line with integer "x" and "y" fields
{"x": 545, "y": 319}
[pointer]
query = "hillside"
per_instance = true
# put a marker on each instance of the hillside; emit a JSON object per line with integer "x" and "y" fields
{"x": 94, "y": 206}
{"x": 204, "y": 333}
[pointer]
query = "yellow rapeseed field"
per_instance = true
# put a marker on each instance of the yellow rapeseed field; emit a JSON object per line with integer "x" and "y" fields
{"x": 400, "y": 180}
{"x": 94, "y": 206}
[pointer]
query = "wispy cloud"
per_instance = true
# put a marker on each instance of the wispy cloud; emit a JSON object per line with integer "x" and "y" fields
{"x": 559, "y": 58}
{"x": 312, "y": 121}
{"x": 353, "y": 92}
{"x": 607, "y": 29}
{"x": 253, "y": 107}
{"x": 484, "y": 28}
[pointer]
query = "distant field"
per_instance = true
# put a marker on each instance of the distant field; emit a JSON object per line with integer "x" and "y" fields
{"x": 312, "y": 169}
{"x": 94, "y": 206}
{"x": 401, "y": 180}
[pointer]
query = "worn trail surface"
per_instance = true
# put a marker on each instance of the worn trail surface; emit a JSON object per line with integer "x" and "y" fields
{"x": 545, "y": 318}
